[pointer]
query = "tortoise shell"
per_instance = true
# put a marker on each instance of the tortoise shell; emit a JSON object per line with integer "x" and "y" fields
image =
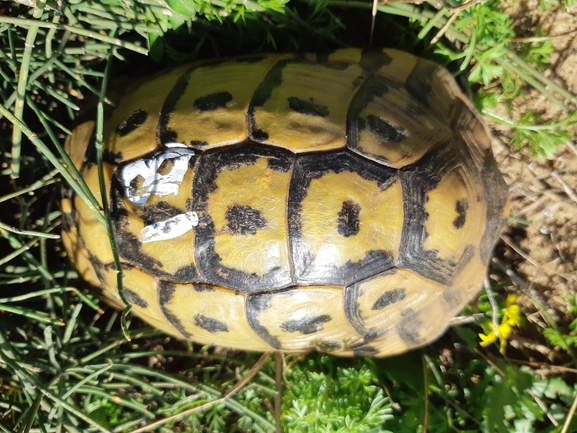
{"x": 345, "y": 202}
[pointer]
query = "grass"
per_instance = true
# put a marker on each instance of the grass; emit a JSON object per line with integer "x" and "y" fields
{"x": 65, "y": 364}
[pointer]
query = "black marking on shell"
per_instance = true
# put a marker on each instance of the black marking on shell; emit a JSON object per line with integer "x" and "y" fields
{"x": 69, "y": 220}
{"x": 420, "y": 81}
{"x": 130, "y": 247}
{"x": 461, "y": 207}
{"x": 134, "y": 298}
{"x": 408, "y": 328}
{"x": 313, "y": 166}
{"x": 364, "y": 349}
{"x": 99, "y": 266}
{"x": 187, "y": 274}
{"x": 160, "y": 211}
{"x": 453, "y": 297}
{"x": 112, "y": 157}
{"x": 243, "y": 220}
{"x": 259, "y": 135}
{"x": 209, "y": 324}
{"x": 372, "y": 60}
{"x": 308, "y": 325}
{"x": 329, "y": 345}
{"x": 390, "y": 297}
{"x": 254, "y": 305}
{"x": 263, "y": 93}
{"x": 198, "y": 288}
{"x": 165, "y": 296}
{"x": 385, "y": 131}
{"x": 496, "y": 193}
{"x": 348, "y": 223}
{"x": 198, "y": 143}
{"x": 163, "y": 134}
{"x": 213, "y": 101}
{"x": 131, "y": 123}
{"x": 309, "y": 107}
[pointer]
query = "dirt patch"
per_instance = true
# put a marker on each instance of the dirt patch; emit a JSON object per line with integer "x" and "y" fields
{"x": 559, "y": 26}
{"x": 541, "y": 241}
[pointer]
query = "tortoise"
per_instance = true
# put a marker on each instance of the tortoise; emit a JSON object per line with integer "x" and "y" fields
{"x": 345, "y": 202}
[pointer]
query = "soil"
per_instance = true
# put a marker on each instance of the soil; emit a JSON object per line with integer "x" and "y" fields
{"x": 540, "y": 241}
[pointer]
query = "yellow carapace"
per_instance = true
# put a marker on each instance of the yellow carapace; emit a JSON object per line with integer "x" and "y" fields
{"x": 346, "y": 202}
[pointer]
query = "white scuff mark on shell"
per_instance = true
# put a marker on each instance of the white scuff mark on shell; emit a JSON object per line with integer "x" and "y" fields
{"x": 170, "y": 228}
{"x": 152, "y": 182}
{"x": 174, "y": 144}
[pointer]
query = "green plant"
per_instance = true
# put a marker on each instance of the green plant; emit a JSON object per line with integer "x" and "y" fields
{"x": 325, "y": 397}
{"x": 65, "y": 365}
{"x": 565, "y": 340}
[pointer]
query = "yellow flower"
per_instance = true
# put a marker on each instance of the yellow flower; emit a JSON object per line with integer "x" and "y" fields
{"x": 511, "y": 317}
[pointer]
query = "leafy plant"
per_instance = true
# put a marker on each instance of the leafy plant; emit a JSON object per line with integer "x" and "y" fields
{"x": 325, "y": 397}
{"x": 565, "y": 340}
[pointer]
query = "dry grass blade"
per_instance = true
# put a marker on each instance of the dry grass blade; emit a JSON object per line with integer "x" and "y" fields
{"x": 455, "y": 13}
{"x": 570, "y": 416}
{"x": 568, "y": 190}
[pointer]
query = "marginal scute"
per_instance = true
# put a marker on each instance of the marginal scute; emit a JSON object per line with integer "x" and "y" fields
{"x": 90, "y": 230}
{"x": 452, "y": 221}
{"x": 392, "y": 292}
{"x": 77, "y": 143}
{"x": 497, "y": 206}
{"x": 346, "y": 202}
{"x": 80, "y": 257}
{"x": 289, "y": 313}
{"x": 147, "y": 287}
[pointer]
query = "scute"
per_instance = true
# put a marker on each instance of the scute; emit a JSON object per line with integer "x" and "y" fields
{"x": 240, "y": 198}
{"x": 302, "y": 105}
{"x": 327, "y": 246}
{"x": 345, "y": 202}
{"x": 302, "y": 319}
